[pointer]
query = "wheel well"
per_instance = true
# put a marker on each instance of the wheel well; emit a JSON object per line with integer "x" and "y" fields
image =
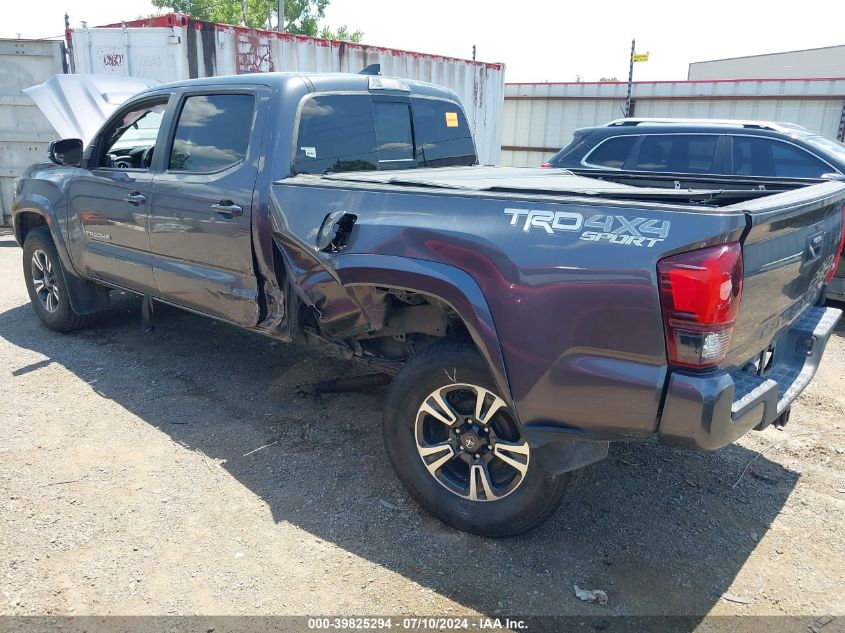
{"x": 25, "y": 222}
{"x": 410, "y": 321}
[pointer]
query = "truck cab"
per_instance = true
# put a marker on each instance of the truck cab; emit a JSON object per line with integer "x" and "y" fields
{"x": 165, "y": 198}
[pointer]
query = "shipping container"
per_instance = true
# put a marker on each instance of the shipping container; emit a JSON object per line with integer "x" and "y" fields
{"x": 540, "y": 118}
{"x": 24, "y": 131}
{"x": 175, "y": 47}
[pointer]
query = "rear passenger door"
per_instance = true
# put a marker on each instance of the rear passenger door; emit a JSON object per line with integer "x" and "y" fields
{"x": 201, "y": 207}
{"x": 684, "y": 155}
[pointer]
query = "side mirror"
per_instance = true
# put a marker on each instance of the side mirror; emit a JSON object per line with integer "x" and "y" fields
{"x": 834, "y": 176}
{"x": 67, "y": 151}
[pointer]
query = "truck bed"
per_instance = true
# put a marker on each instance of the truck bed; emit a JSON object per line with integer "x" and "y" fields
{"x": 522, "y": 180}
{"x": 566, "y": 266}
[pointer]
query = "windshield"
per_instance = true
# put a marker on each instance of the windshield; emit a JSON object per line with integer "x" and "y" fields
{"x": 834, "y": 149}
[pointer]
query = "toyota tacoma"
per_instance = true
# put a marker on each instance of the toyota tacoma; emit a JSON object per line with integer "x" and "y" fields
{"x": 527, "y": 317}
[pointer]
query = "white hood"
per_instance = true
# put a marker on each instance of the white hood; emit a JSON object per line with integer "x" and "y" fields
{"x": 77, "y": 105}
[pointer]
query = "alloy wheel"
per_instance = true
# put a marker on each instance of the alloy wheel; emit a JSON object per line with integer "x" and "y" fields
{"x": 44, "y": 281}
{"x": 470, "y": 443}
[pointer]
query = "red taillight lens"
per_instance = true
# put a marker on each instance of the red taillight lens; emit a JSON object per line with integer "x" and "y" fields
{"x": 546, "y": 165}
{"x": 832, "y": 273}
{"x": 700, "y": 293}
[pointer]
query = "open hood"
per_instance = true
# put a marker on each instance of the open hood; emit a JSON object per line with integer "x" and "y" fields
{"x": 77, "y": 105}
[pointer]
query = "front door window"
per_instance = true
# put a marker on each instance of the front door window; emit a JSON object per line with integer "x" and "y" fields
{"x": 130, "y": 142}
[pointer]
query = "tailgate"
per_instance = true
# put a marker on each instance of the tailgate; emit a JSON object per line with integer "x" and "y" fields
{"x": 790, "y": 245}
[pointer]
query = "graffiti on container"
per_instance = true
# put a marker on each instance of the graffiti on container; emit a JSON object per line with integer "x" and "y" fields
{"x": 253, "y": 53}
{"x": 111, "y": 59}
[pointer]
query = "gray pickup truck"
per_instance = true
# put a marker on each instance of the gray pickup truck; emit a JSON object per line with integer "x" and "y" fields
{"x": 530, "y": 316}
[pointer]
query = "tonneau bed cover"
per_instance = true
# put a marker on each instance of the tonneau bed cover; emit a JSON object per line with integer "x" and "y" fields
{"x": 533, "y": 180}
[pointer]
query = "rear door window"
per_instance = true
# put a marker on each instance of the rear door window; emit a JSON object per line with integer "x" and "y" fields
{"x": 336, "y": 133}
{"x": 442, "y": 134}
{"x": 678, "y": 153}
{"x": 773, "y": 158}
{"x": 212, "y": 133}
{"x": 612, "y": 152}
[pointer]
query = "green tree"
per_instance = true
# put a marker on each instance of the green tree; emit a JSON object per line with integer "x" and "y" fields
{"x": 301, "y": 16}
{"x": 342, "y": 33}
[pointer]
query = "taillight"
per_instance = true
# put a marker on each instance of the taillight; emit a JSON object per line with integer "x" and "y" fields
{"x": 700, "y": 293}
{"x": 546, "y": 165}
{"x": 839, "y": 250}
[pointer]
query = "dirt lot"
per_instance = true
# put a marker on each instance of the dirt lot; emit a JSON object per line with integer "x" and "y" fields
{"x": 180, "y": 473}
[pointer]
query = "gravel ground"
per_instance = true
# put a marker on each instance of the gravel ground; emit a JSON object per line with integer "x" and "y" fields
{"x": 180, "y": 473}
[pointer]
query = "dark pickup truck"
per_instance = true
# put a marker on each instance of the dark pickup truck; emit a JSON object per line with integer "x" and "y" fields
{"x": 530, "y": 316}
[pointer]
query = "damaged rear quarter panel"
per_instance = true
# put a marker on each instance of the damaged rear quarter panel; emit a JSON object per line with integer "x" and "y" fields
{"x": 577, "y": 322}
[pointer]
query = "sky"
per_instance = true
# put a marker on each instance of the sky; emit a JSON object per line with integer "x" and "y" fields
{"x": 552, "y": 40}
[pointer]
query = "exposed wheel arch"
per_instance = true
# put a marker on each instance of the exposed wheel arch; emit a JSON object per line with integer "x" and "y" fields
{"x": 447, "y": 284}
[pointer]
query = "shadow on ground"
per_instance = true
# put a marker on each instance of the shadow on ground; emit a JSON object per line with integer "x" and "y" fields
{"x": 840, "y": 327}
{"x": 663, "y": 531}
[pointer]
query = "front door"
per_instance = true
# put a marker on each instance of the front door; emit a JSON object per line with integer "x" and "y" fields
{"x": 108, "y": 199}
{"x": 201, "y": 207}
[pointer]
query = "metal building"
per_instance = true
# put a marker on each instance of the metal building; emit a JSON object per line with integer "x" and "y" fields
{"x": 540, "y": 118}
{"x": 805, "y": 64}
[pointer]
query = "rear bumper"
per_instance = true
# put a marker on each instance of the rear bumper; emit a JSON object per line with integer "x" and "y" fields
{"x": 710, "y": 410}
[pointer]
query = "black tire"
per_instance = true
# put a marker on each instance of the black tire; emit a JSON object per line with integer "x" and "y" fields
{"x": 535, "y": 497}
{"x": 53, "y": 305}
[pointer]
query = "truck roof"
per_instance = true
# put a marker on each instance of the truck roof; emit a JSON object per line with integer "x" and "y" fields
{"x": 324, "y": 82}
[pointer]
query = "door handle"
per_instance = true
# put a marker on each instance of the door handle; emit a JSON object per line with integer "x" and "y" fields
{"x": 227, "y": 207}
{"x": 814, "y": 246}
{"x": 135, "y": 198}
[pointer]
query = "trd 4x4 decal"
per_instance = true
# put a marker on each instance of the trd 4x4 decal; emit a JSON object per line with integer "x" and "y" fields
{"x": 615, "y": 229}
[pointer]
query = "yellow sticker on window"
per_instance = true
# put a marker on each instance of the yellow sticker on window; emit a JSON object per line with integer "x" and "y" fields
{"x": 451, "y": 119}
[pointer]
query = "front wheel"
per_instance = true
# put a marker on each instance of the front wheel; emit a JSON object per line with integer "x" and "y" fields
{"x": 45, "y": 282}
{"x": 457, "y": 447}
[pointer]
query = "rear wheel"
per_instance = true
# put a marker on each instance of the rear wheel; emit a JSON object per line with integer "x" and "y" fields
{"x": 457, "y": 447}
{"x": 45, "y": 282}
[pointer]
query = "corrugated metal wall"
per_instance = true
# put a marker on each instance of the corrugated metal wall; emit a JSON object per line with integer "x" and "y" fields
{"x": 540, "y": 118}
{"x": 24, "y": 131}
{"x": 186, "y": 48}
